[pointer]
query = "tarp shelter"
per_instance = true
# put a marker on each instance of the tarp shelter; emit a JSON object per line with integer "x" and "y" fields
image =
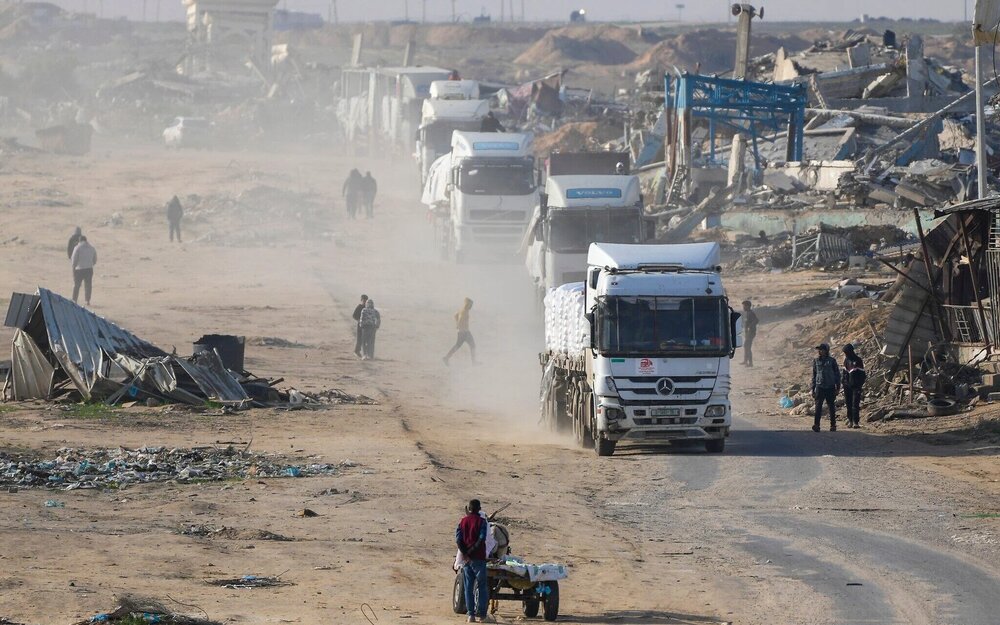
{"x": 59, "y": 343}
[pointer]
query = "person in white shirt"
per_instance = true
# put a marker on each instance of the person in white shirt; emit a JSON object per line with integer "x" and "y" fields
{"x": 83, "y": 260}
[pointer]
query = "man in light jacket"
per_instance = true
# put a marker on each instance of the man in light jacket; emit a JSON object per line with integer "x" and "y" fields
{"x": 83, "y": 260}
{"x": 825, "y": 385}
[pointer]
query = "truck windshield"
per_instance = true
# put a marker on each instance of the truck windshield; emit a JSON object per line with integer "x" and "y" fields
{"x": 502, "y": 178}
{"x": 573, "y": 230}
{"x": 662, "y": 325}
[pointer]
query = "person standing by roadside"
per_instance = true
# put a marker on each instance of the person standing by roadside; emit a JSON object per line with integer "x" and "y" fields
{"x": 464, "y": 335}
{"x": 749, "y": 332}
{"x": 174, "y": 214}
{"x": 371, "y": 321}
{"x": 854, "y": 377}
{"x": 369, "y": 190}
{"x": 352, "y": 192}
{"x": 82, "y": 261}
{"x": 470, "y": 535}
{"x": 358, "y": 340}
{"x": 825, "y": 385}
{"x": 73, "y": 240}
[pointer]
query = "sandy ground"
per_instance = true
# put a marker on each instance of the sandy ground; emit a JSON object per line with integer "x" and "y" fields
{"x": 787, "y": 526}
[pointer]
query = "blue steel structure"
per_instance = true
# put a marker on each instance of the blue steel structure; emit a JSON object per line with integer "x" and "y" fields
{"x": 746, "y": 107}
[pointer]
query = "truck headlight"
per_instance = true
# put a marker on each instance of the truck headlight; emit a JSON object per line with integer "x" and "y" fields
{"x": 609, "y": 384}
{"x": 715, "y": 411}
{"x": 614, "y": 414}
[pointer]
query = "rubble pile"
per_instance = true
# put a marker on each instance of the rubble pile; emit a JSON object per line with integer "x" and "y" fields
{"x": 134, "y": 609}
{"x": 707, "y": 51}
{"x": 74, "y": 469}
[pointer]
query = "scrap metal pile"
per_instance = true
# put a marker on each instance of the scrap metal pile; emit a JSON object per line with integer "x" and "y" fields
{"x": 60, "y": 348}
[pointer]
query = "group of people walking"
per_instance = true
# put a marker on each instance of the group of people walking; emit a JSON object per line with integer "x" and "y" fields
{"x": 359, "y": 193}
{"x": 368, "y": 320}
{"x": 828, "y": 378}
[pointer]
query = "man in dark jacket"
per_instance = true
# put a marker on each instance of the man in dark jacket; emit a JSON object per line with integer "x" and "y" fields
{"x": 491, "y": 124}
{"x": 353, "y": 192}
{"x": 357, "y": 324}
{"x": 470, "y": 535}
{"x": 174, "y": 214}
{"x": 73, "y": 240}
{"x": 825, "y": 385}
{"x": 854, "y": 377}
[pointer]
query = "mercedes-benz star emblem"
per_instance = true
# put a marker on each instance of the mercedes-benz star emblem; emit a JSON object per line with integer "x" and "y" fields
{"x": 665, "y": 386}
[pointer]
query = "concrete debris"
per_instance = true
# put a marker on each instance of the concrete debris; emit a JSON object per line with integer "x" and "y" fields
{"x": 73, "y": 469}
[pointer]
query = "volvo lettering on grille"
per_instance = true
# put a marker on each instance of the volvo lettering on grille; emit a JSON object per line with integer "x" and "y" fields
{"x": 665, "y": 386}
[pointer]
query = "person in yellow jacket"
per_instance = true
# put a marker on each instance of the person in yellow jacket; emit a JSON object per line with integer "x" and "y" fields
{"x": 464, "y": 335}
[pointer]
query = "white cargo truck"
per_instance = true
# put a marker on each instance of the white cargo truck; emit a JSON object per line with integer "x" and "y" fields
{"x": 640, "y": 350}
{"x": 482, "y": 194}
{"x": 575, "y": 211}
{"x": 453, "y": 105}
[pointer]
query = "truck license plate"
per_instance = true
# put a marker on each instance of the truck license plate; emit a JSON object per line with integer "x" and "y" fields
{"x": 666, "y": 412}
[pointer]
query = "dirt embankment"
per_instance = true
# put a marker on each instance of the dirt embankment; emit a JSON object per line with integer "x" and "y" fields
{"x": 562, "y": 48}
{"x": 708, "y": 50}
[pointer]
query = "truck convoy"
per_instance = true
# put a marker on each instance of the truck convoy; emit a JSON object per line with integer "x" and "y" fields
{"x": 482, "y": 193}
{"x": 453, "y": 105}
{"x": 640, "y": 349}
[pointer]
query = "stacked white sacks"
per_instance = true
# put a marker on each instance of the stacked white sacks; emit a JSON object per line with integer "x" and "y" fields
{"x": 566, "y": 328}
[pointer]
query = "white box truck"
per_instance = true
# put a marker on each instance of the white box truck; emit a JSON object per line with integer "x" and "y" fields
{"x": 482, "y": 193}
{"x": 453, "y": 105}
{"x": 575, "y": 211}
{"x": 640, "y": 350}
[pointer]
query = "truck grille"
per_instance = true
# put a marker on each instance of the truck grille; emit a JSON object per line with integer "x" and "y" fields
{"x": 484, "y": 214}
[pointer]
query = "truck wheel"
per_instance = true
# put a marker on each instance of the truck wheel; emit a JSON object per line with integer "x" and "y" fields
{"x": 582, "y": 434}
{"x": 552, "y": 601}
{"x": 715, "y": 445}
{"x": 458, "y": 594}
{"x": 604, "y": 446}
{"x": 530, "y": 608}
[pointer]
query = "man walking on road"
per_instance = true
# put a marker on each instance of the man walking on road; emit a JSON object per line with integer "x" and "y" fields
{"x": 352, "y": 192}
{"x": 357, "y": 325}
{"x": 371, "y": 321}
{"x": 470, "y": 535}
{"x": 82, "y": 261}
{"x": 464, "y": 336}
{"x": 825, "y": 385}
{"x": 174, "y": 214}
{"x": 854, "y": 382}
{"x": 749, "y": 332}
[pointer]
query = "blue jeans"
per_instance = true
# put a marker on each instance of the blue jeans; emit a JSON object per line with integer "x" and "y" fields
{"x": 474, "y": 575}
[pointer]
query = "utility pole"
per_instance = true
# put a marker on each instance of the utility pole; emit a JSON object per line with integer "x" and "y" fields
{"x": 680, "y": 9}
{"x": 982, "y": 35}
{"x": 744, "y": 13}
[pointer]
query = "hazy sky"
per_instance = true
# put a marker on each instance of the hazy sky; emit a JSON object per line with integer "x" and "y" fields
{"x": 554, "y": 10}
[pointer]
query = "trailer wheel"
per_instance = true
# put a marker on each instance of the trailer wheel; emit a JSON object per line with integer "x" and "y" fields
{"x": 715, "y": 445}
{"x": 552, "y": 601}
{"x": 458, "y": 594}
{"x": 604, "y": 446}
{"x": 530, "y": 608}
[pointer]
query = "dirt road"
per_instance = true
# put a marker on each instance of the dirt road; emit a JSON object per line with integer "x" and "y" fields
{"x": 788, "y": 526}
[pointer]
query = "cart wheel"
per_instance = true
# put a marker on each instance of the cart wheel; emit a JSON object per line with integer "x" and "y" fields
{"x": 552, "y": 601}
{"x": 530, "y": 607}
{"x": 458, "y": 594}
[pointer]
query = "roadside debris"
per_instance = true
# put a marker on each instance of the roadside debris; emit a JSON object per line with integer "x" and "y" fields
{"x": 118, "y": 468}
{"x": 133, "y": 609}
{"x": 250, "y": 581}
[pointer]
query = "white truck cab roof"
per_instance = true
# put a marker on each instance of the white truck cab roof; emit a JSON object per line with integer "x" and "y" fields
{"x": 454, "y": 90}
{"x": 461, "y": 110}
{"x": 604, "y": 190}
{"x": 684, "y": 256}
{"x": 490, "y": 144}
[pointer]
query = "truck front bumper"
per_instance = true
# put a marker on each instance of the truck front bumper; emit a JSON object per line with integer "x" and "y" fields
{"x": 618, "y": 422}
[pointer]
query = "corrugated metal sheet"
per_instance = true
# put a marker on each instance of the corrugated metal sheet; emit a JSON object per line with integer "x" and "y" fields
{"x": 106, "y": 361}
{"x": 20, "y": 309}
{"x": 30, "y": 371}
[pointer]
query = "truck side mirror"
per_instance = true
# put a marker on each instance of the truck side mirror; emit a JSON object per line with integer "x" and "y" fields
{"x": 592, "y": 277}
{"x": 735, "y": 331}
{"x": 538, "y": 234}
{"x": 593, "y": 334}
{"x": 649, "y": 228}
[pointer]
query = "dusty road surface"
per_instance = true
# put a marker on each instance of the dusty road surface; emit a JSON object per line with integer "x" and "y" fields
{"x": 786, "y": 527}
